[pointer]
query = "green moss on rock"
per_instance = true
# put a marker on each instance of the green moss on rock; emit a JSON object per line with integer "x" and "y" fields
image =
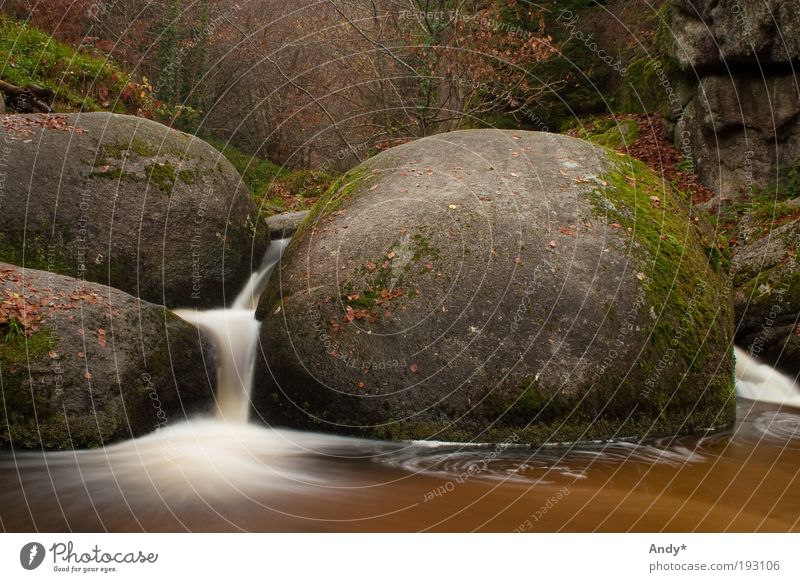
{"x": 120, "y": 150}
{"x": 691, "y": 321}
{"x": 611, "y": 133}
{"x": 162, "y": 175}
{"x": 18, "y": 350}
{"x": 341, "y": 189}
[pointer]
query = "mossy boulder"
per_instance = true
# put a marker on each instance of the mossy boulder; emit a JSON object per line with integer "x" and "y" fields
{"x": 611, "y": 133}
{"x": 82, "y": 365}
{"x": 129, "y": 203}
{"x": 485, "y": 285}
{"x": 767, "y": 296}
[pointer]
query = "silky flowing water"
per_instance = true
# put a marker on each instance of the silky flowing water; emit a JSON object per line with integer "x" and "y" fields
{"x": 223, "y": 473}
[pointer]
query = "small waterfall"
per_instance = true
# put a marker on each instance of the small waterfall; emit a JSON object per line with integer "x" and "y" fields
{"x": 756, "y": 381}
{"x": 248, "y": 297}
{"x": 235, "y": 334}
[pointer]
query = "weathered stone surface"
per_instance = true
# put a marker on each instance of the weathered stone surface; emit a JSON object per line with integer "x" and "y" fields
{"x": 767, "y": 297}
{"x": 743, "y": 130}
{"x": 285, "y": 224}
{"x": 100, "y": 365}
{"x": 127, "y": 202}
{"x": 489, "y": 285}
{"x": 715, "y": 34}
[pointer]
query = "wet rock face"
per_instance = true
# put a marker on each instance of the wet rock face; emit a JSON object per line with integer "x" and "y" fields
{"x": 767, "y": 297}
{"x": 84, "y": 365}
{"x": 127, "y": 202}
{"x": 740, "y": 120}
{"x": 489, "y": 285}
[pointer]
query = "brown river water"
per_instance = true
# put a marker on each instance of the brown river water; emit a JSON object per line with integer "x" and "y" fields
{"x": 227, "y": 474}
{"x": 209, "y": 476}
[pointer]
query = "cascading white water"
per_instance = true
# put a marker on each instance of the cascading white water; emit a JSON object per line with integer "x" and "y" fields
{"x": 235, "y": 334}
{"x": 248, "y": 297}
{"x": 756, "y": 381}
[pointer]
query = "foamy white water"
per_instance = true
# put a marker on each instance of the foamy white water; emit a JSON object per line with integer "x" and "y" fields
{"x": 757, "y": 381}
{"x": 248, "y": 297}
{"x": 235, "y": 334}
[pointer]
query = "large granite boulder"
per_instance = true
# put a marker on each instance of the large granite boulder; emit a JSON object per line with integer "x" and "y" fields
{"x": 82, "y": 365}
{"x": 129, "y": 203}
{"x": 493, "y": 285}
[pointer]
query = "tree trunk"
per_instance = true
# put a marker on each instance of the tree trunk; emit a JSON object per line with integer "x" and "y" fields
{"x": 28, "y": 99}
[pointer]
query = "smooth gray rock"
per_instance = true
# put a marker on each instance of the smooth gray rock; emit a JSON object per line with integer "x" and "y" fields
{"x": 285, "y": 224}
{"x": 483, "y": 285}
{"x": 743, "y": 130}
{"x": 742, "y": 122}
{"x": 130, "y": 203}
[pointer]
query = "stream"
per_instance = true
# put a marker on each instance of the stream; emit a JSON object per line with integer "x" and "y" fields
{"x": 223, "y": 473}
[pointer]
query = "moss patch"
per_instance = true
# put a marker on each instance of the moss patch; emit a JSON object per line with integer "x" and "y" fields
{"x": 115, "y": 174}
{"x": 119, "y": 151}
{"x": 341, "y": 189}
{"x": 189, "y": 176}
{"x": 19, "y": 350}
{"x": 692, "y": 320}
{"x": 162, "y": 175}
{"x": 611, "y": 133}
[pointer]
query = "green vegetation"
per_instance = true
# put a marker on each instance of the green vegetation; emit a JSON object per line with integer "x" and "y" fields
{"x": 79, "y": 80}
{"x": 333, "y": 197}
{"x": 689, "y": 298}
{"x": 118, "y": 151}
{"x": 277, "y": 188}
{"x": 162, "y": 175}
{"x": 13, "y": 328}
{"x": 611, "y": 133}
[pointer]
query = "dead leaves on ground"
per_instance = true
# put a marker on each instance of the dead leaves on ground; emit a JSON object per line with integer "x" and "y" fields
{"x": 24, "y": 306}
{"x": 26, "y": 126}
